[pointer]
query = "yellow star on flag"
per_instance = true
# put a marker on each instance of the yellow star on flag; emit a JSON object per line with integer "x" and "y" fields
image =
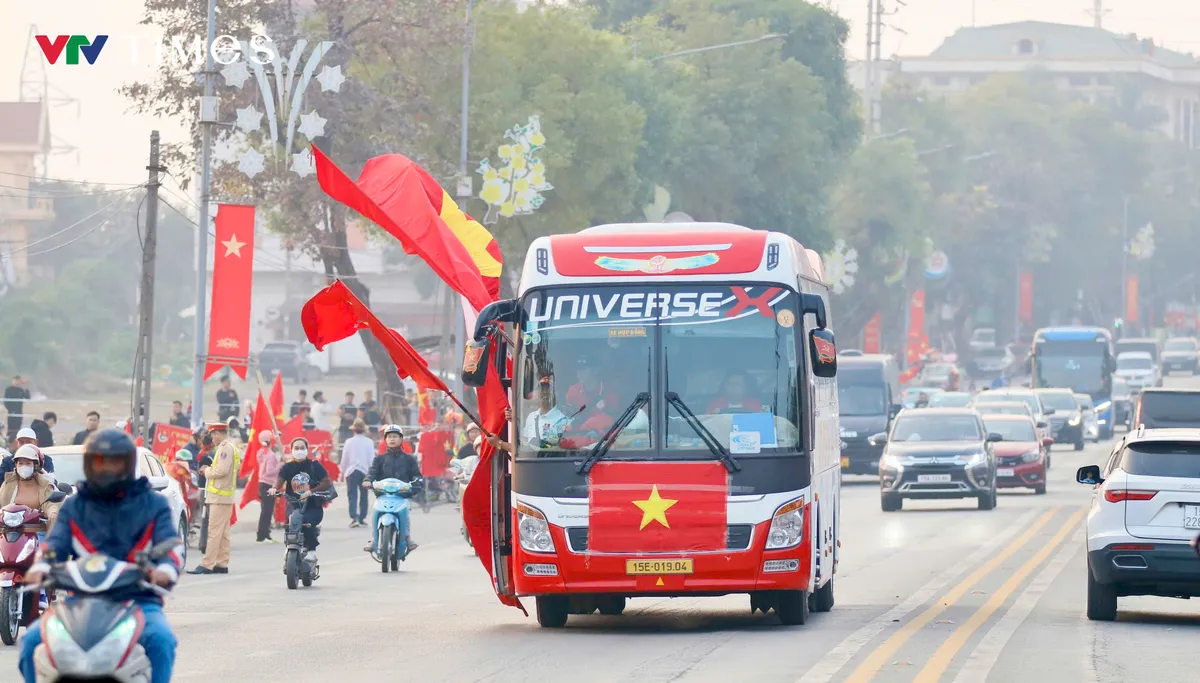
{"x": 233, "y": 246}
{"x": 654, "y": 508}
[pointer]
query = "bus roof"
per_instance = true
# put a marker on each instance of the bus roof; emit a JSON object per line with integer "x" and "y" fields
{"x": 1071, "y": 333}
{"x": 695, "y": 252}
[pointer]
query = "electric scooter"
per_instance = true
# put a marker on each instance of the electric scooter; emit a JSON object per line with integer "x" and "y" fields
{"x": 391, "y": 521}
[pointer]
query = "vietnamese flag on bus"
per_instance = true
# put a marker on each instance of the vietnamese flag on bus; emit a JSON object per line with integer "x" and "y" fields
{"x": 651, "y": 507}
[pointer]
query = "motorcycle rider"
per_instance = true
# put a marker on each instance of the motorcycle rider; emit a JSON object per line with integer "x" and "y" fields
{"x": 394, "y": 463}
{"x": 27, "y": 485}
{"x": 27, "y": 436}
{"x": 302, "y": 464}
{"x": 116, "y": 515}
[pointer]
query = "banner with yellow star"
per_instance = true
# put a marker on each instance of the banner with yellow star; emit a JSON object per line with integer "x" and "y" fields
{"x": 233, "y": 274}
{"x": 657, "y": 507}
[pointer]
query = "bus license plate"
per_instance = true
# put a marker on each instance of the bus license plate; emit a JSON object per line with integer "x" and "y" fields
{"x": 1191, "y": 516}
{"x": 1004, "y": 473}
{"x": 933, "y": 478}
{"x": 676, "y": 566}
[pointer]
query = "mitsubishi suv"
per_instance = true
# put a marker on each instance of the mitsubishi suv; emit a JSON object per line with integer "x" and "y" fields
{"x": 1144, "y": 514}
{"x": 935, "y": 453}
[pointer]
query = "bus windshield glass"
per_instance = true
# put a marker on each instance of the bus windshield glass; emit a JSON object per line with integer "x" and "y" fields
{"x": 714, "y": 361}
{"x": 1081, "y": 365}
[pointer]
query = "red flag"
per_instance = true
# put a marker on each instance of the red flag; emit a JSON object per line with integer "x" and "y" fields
{"x": 233, "y": 275}
{"x": 390, "y": 193}
{"x": 426, "y": 413}
{"x": 334, "y": 313}
{"x": 168, "y": 439}
{"x": 260, "y": 423}
{"x": 291, "y": 430}
{"x": 276, "y": 399}
{"x": 871, "y": 334}
{"x": 657, "y": 507}
{"x": 320, "y": 442}
{"x": 434, "y": 458}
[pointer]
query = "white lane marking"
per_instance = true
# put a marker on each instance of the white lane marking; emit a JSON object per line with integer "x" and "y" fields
{"x": 841, "y": 655}
{"x": 983, "y": 658}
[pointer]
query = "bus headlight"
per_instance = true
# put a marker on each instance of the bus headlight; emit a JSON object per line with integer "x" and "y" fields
{"x": 533, "y": 530}
{"x": 787, "y": 526}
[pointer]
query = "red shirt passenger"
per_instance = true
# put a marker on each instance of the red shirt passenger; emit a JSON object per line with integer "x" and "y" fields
{"x": 733, "y": 398}
{"x": 595, "y": 406}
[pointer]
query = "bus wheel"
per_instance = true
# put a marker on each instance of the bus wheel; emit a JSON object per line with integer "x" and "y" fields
{"x": 552, "y": 611}
{"x": 821, "y": 599}
{"x": 792, "y": 607}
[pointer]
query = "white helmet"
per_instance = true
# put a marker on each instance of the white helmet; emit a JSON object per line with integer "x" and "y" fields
{"x": 27, "y": 433}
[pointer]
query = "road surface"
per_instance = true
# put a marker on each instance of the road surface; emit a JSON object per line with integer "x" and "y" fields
{"x": 937, "y": 592}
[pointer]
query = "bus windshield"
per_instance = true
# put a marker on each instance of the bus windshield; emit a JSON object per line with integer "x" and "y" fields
{"x": 1081, "y": 365}
{"x": 724, "y": 355}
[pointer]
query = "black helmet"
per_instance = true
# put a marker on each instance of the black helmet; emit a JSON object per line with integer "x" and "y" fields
{"x": 109, "y": 443}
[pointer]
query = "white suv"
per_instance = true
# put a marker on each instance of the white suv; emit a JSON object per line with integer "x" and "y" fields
{"x": 1145, "y": 512}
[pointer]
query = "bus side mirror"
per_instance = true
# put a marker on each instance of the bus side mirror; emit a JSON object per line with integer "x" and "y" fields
{"x": 813, "y": 303}
{"x": 823, "y": 351}
{"x": 475, "y": 363}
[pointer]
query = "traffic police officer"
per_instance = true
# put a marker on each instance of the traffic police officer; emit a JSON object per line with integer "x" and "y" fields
{"x": 222, "y": 482}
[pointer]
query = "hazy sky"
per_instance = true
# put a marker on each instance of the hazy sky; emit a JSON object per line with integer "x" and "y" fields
{"x": 112, "y": 143}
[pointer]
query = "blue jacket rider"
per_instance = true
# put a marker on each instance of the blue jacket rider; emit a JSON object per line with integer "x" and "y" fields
{"x": 118, "y": 515}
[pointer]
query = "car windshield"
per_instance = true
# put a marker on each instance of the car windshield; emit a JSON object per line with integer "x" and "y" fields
{"x": 985, "y": 336}
{"x": 953, "y": 399}
{"x": 1180, "y": 345}
{"x": 1085, "y": 402}
{"x": 855, "y": 400}
{"x": 1175, "y": 407}
{"x": 1011, "y": 430}
{"x": 730, "y": 353}
{"x": 936, "y": 428}
{"x": 1030, "y": 400}
{"x": 1002, "y": 408}
{"x": 68, "y": 467}
{"x": 1162, "y": 459}
{"x": 1078, "y": 364}
{"x": 1143, "y": 346}
{"x": 1059, "y": 401}
{"x": 911, "y": 396}
{"x": 1134, "y": 363}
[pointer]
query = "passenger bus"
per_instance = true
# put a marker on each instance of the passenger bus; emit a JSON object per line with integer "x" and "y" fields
{"x": 675, "y": 422}
{"x": 1080, "y": 359}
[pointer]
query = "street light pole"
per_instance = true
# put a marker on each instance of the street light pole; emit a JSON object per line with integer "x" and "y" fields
{"x": 1124, "y": 307}
{"x": 710, "y": 48}
{"x": 207, "y": 112}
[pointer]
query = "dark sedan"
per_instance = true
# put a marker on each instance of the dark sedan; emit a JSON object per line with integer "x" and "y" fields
{"x": 1066, "y": 422}
{"x": 937, "y": 453}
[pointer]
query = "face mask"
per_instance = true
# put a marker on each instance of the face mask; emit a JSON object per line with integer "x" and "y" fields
{"x": 300, "y": 454}
{"x": 25, "y": 471}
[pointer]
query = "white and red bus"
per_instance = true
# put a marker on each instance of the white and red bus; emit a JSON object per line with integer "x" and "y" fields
{"x": 675, "y": 422}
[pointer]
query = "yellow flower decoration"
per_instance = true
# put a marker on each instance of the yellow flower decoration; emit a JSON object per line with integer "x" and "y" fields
{"x": 524, "y": 169}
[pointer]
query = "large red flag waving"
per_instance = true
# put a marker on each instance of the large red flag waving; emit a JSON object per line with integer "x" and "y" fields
{"x": 233, "y": 275}
{"x": 334, "y": 313}
{"x": 276, "y": 398}
{"x": 260, "y": 423}
{"x": 390, "y": 192}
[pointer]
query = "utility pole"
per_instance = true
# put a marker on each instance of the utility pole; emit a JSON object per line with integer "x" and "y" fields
{"x": 869, "y": 70}
{"x": 1098, "y": 13}
{"x": 1124, "y": 305}
{"x": 465, "y": 186}
{"x": 874, "y": 82}
{"x": 145, "y": 346}
{"x": 208, "y": 116}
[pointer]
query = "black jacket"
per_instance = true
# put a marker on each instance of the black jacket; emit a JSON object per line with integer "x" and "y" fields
{"x": 395, "y": 464}
{"x": 45, "y": 437}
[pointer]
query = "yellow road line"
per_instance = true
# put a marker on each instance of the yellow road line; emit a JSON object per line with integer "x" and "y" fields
{"x": 942, "y": 657}
{"x": 875, "y": 661}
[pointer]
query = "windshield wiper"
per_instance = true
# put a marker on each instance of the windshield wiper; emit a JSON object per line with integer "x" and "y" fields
{"x": 709, "y": 440}
{"x": 610, "y": 437}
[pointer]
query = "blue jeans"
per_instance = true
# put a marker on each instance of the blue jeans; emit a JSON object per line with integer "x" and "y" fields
{"x": 356, "y": 496}
{"x": 375, "y": 515}
{"x": 157, "y": 640}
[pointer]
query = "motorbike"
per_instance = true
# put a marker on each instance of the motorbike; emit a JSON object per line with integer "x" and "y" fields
{"x": 391, "y": 504}
{"x": 18, "y": 546}
{"x": 463, "y": 469}
{"x": 301, "y": 567}
{"x": 93, "y": 635}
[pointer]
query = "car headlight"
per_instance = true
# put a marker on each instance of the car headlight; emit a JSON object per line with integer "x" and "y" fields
{"x": 1103, "y": 406}
{"x": 1031, "y": 456}
{"x": 976, "y": 459}
{"x": 787, "y": 526}
{"x": 1074, "y": 421}
{"x": 533, "y": 530}
{"x": 895, "y": 462}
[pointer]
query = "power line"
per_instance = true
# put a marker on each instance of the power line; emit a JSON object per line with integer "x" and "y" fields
{"x": 57, "y": 194}
{"x": 70, "y": 227}
{"x": 40, "y": 179}
{"x": 103, "y": 223}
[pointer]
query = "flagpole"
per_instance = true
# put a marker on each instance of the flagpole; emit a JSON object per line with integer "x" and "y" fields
{"x": 274, "y": 424}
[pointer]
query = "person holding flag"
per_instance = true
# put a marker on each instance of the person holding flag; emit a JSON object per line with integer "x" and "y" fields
{"x": 267, "y": 472}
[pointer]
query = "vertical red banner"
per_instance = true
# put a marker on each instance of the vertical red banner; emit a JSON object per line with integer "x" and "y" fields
{"x": 233, "y": 274}
{"x": 871, "y": 334}
{"x": 1131, "y": 299}
{"x": 916, "y": 325}
{"x": 1025, "y": 307}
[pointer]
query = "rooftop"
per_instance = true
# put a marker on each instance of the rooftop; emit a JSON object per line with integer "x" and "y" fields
{"x": 1056, "y": 42}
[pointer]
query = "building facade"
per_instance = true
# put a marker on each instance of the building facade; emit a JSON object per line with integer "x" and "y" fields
{"x": 24, "y": 137}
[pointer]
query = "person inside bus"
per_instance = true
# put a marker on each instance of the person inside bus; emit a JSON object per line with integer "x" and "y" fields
{"x": 544, "y": 427}
{"x": 733, "y": 397}
{"x": 589, "y": 394}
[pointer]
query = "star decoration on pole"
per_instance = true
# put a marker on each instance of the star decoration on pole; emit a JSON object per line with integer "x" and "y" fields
{"x": 331, "y": 78}
{"x": 312, "y": 125}
{"x": 249, "y": 119}
{"x": 236, "y": 74}
{"x": 654, "y": 508}
{"x": 251, "y": 163}
{"x": 233, "y": 246}
{"x": 303, "y": 164}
